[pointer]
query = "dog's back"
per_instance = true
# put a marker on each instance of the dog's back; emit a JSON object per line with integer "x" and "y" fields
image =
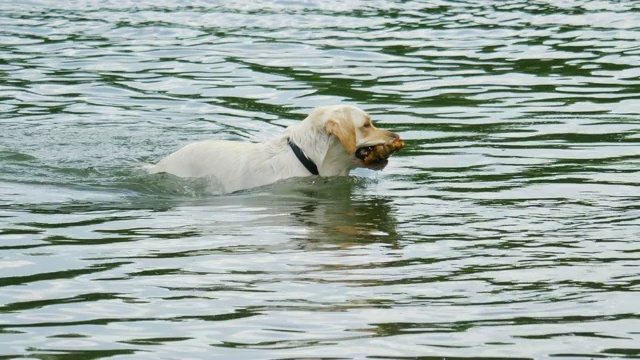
{"x": 235, "y": 165}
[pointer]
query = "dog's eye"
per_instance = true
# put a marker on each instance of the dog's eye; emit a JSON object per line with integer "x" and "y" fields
{"x": 367, "y": 125}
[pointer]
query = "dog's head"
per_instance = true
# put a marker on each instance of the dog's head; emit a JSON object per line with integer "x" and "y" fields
{"x": 369, "y": 146}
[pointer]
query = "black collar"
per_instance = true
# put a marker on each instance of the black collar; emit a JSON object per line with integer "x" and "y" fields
{"x": 308, "y": 163}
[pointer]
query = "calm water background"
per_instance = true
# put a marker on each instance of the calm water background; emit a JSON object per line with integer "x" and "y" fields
{"x": 509, "y": 226}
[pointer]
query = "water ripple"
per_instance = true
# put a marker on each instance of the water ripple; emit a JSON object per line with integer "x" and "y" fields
{"x": 506, "y": 229}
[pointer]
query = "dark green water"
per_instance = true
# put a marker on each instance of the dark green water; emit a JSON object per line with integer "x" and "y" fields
{"x": 509, "y": 227}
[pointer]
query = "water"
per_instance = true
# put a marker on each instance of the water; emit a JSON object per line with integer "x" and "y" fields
{"x": 508, "y": 227}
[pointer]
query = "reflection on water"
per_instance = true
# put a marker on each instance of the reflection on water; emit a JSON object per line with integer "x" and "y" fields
{"x": 505, "y": 229}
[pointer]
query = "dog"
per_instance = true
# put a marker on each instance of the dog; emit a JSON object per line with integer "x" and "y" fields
{"x": 331, "y": 141}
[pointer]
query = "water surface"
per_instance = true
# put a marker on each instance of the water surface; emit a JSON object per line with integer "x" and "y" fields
{"x": 507, "y": 228}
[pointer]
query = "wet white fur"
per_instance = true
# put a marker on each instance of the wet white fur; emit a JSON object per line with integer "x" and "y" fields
{"x": 242, "y": 165}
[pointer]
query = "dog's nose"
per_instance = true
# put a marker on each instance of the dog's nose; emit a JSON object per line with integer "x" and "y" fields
{"x": 394, "y": 135}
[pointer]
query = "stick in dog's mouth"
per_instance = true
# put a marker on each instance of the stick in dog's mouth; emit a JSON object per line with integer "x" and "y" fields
{"x": 363, "y": 152}
{"x": 378, "y": 154}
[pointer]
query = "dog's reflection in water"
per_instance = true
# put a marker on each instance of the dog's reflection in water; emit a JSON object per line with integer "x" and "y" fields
{"x": 333, "y": 212}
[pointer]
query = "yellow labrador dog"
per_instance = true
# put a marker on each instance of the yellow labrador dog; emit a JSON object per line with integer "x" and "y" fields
{"x": 331, "y": 141}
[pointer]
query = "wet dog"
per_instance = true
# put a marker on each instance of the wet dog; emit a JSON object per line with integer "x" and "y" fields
{"x": 331, "y": 141}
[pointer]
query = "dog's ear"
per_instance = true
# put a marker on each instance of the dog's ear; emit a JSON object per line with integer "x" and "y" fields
{"x": 344, "y": 130}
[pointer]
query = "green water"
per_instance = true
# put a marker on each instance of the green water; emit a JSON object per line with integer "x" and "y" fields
{"x": 508, "y": 227}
